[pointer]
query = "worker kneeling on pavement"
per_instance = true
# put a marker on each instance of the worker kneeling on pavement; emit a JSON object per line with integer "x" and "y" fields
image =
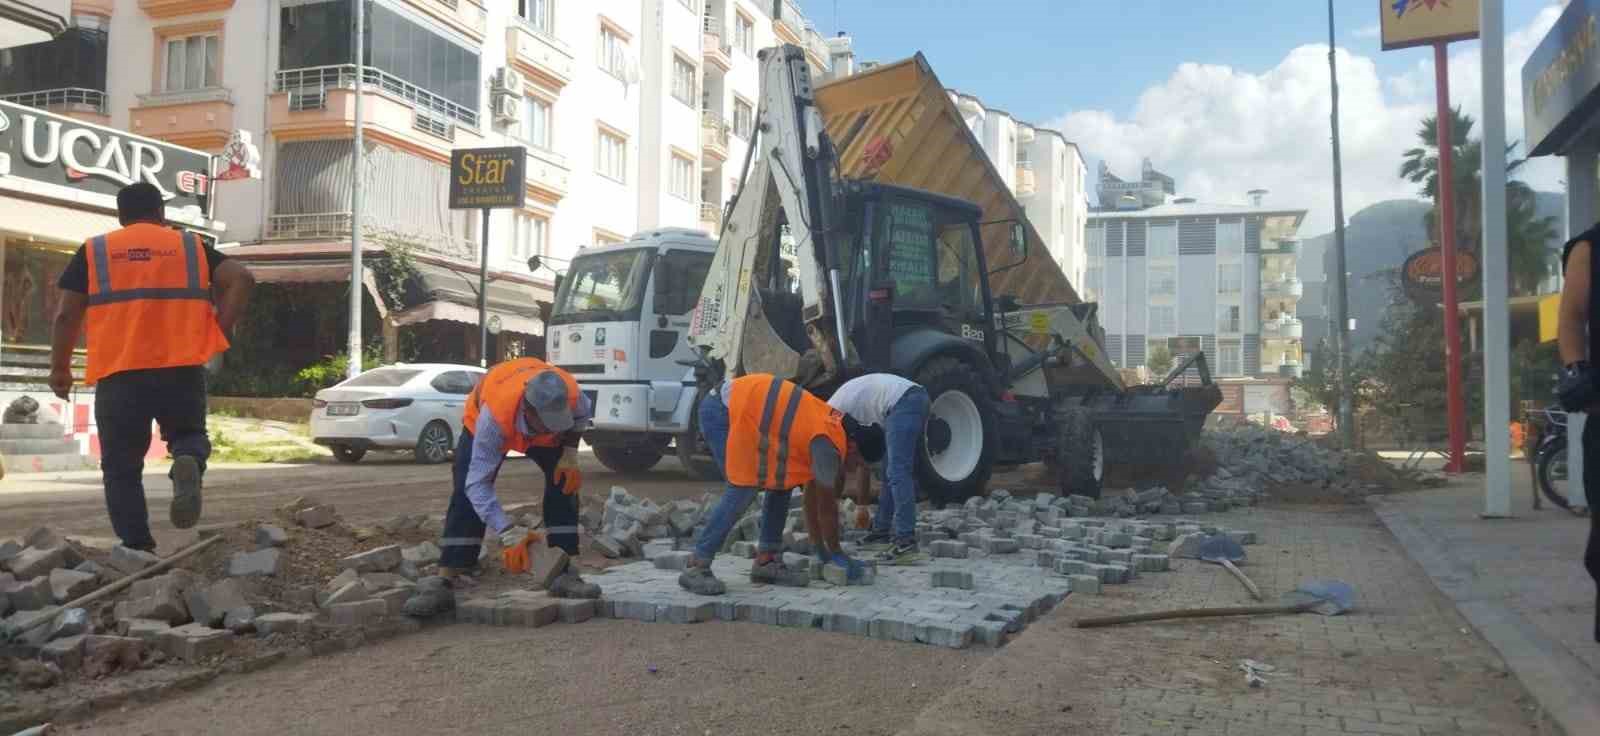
{"x": 536, "y": 409}
{"x": 900, "y": 407}
{"x": 768, "y": 434}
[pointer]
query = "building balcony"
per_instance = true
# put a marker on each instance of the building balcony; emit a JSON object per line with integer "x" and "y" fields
{"x": 711, "y": 218}
{"x": 1282, "y": 329}
{"x": 174, "y": 8}
{"x": 320, "y": 102}
{"x": 714, "y": 48}
{"x": 1284, "y": 247}
{"x": 198, "y": 119}
{"x": 1025, "y": 182}
{"x": 88, "y": 105}
{"x": 713, "y": 137}
{"x": 788, "y": 22}
{"x": 336, "y": 226}
{"x": 539, "y": 55}
{"x": 1283, "y": 288}
{"x": 816, "y": 48}
{"x": 466, "y": 16}
{"x": 1290, "y": 369}
{"x": 549, "y": 176}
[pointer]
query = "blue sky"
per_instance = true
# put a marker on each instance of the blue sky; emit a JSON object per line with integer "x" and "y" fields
{"x": 1225, "y": 95}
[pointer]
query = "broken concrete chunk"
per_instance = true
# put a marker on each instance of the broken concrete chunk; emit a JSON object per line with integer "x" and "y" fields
{"x": 129, "y": 561}
{"x": 65, "y": 585}
{"x": 358, "y": 613}
{"x": 607, "y": 547}
{"x": 344, "y": 578}
{"x": 31, "y": 595}
{"x": 547, "y": 563}
{"x": 425, "y": 553}
{"x": 260, "y": 562}
{"x": 211, "y": 604}
{"x": 348, "y": 593}
{"x": 316, "y": 517}
{"x": 9, "y": 549}
{"x": 382, "y": 559}
{"x": 66, "y": 653}
{"x": 42, "y": 537}
{"x": 241, "y": 620}
{"x": 71, "y": 622}
{"x": 192, "y": 642}
{"x": 142, "y": 628}
{"x": 34, "y": 562}
{"x": 164, "y": 603}
{"x": 284, "y": 623}
{"x": 268, "y": 535}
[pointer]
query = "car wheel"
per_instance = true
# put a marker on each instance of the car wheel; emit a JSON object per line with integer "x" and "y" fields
{"x": 348, "y": 454}
{"x": 433, "y": 444}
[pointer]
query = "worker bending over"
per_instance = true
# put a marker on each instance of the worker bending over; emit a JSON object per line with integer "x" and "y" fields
{"x": 900, "y": 407}
{"x": 768, "y": 434}
{"x": 534, "y": 408}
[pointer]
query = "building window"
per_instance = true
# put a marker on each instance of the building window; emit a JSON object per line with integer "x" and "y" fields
{"x": 682, "y": 177}
{"x": 611, "y": 156}
{"x": 1230, "y": 278}
{"x": 192, "y": 63}
{"x": 1230, "y": 358}
{"x": 1091, "y": 282}
{"x": 531, "y": 237}
{"x": 1163, "y": 280}
{"x": 1228, "y": 318}
{"x": 1230, "y": 238}
{"x": 1161, "y": 241}
{"x": 744, "y": 34}
{"x": 683, "y": 80}
{"x": 744, "y": 118}
{"x": 613, "y": 51}
{"x": 538, "y": 13}
{"x": 1094, "y": 242}
{"x": 76, "y": 58}
{"x": 1163, "y": 320}
{"x": 536, "y": 122}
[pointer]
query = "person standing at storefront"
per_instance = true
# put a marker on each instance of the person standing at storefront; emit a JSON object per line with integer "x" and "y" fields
{"x": 156, "y": 304}
{"x": 1579, "y": 388}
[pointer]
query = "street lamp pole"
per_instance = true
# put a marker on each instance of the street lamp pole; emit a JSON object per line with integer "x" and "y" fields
{"x": 1341, "y": 333}
{"x": 355, "y": 199}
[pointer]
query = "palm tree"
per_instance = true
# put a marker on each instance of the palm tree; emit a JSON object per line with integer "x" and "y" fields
{"x": 1528, "y": 238}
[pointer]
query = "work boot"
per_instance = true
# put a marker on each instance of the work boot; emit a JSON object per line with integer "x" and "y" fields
{"x": 875, "y": 541}
{"x": 700, "y": 581}
{"x": 432, "y": 597}
{"x": 774, "y": 572}
{"x": 900, "y": 553}
{"x": 570, "y": 584}
{"x": 185, "y": 511}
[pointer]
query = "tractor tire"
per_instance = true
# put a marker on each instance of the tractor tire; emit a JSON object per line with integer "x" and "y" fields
{"x": 1080, "y": 458}
{"x": 956, "y": 451}
{"x": 631, "y": 459}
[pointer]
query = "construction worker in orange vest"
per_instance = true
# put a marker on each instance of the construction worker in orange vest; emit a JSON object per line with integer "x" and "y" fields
{"x": 534, "y": 408}
{"x": 768, "y": 434}
{"x": 157, "y": 304}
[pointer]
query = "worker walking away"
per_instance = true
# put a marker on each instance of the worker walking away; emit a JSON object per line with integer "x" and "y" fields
{"x": 1579, "y": 387}
{"x": 157, "y": 304}
{"x": 900, "y": 407}
{"x": 534, "y": 408}
{"x": 768, "y": 434}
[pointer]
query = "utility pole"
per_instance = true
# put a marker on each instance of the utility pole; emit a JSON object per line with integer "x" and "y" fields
{"x": 1496, "y": 309}
{"x": 356, "y": 171}
{"x": 1341, "y": 309}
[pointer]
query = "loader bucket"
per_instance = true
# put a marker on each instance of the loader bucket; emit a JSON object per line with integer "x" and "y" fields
{"x": 1152, "y": 425}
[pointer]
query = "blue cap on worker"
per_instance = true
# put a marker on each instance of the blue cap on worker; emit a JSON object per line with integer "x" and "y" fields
{"x": 546, "y": 393}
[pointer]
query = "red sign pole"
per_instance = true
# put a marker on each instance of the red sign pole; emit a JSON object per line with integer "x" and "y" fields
{"x": 1447, "y": 243}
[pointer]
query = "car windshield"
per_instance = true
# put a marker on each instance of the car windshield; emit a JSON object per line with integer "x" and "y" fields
{"x": 382, "y": 378}
{"x": 604, "y": 285}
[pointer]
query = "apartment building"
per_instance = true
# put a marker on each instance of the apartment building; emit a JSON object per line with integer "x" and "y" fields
{"x": 1044, "y": 170}
{"x": 635, "y": 115}
{"x": 1185, "y": 276}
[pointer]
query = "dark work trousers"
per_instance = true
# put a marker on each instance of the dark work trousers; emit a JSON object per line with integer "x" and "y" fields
{"x": 463, "y": 529}
{"x": 124, "y": 405}
{"x": 1591, "y": 493}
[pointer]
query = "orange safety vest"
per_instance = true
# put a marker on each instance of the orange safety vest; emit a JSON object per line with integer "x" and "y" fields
{"x": 149, "y": 301}
{"x": 501, "y": 392}
{"x": 771, "y": 423}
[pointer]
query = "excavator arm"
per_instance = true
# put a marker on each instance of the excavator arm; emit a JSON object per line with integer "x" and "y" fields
{"x": 754, "y": 315}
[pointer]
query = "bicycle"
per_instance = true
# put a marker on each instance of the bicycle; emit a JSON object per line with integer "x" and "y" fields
{"x": 1549, "y": 461}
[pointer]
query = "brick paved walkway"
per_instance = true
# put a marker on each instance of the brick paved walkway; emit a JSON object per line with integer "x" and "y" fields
{"x": 1404, "y": 663}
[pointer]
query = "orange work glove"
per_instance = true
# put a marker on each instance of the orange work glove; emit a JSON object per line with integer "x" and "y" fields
{"x": 514, "y": 553}
{"x": 567, "y": 476}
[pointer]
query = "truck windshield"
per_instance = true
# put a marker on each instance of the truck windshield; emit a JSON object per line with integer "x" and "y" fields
{"x": 604, "y": 286}
{"x": 931, "y": 258}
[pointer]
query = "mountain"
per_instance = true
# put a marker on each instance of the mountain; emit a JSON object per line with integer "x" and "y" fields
{"x": 1378, "y": 239}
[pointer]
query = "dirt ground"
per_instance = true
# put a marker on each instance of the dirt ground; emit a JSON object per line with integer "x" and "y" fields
{"x": 593, "y": 678}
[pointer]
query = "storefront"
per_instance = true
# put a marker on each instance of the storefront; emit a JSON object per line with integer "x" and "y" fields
{"x": 58, "y": 183}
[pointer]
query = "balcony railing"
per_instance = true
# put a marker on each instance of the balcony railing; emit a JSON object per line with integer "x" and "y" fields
{"x": 321, "y": 225}
{"x": 714, "y": 45}
{"x": 1286, "y": 288}
{"x": 711, "y": 214}
{"x": 69, "y": 98}
{"x": 1290, "y": 369}
{"x": 1282, "y": 329}
{"x": 317, "y": 80}
{"x": 1025, "y": 183}
{"x": 786, "y": 14}
{"x": 714, "y": 133}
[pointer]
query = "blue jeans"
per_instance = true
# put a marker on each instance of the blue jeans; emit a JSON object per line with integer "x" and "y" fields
{"x": 898, "y": 502}
{"x": 463, "y": 529}
{"x": 774, "y": 506}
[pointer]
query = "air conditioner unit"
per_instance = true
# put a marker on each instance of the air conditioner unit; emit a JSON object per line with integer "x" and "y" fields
{"x": 507, "y": 80}
{"x": 507, "y": 109}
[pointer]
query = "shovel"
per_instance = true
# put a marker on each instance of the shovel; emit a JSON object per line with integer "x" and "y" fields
{"x": 1327, "y": 597}
{"x": 1224, "y": 550}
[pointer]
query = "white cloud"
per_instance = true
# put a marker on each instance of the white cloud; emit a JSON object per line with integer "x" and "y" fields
{"x": 1371, "y": 31}
{"x": 1221, "y": 132}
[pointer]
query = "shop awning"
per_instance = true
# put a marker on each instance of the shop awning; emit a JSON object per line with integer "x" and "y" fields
{"x": 453, "y": 295}
{"x": 468, "y": 315}
{"x": 54, "y": 224}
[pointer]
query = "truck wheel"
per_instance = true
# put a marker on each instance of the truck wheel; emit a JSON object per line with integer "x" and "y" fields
{"x": 692, "y": 453}
{"x": 628, "y": 459}
{"x": 1080, "y": 461}
{"x": 957, "y": 453}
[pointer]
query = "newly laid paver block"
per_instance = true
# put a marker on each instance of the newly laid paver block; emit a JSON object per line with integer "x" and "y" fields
{"x": 1086, "y": 584}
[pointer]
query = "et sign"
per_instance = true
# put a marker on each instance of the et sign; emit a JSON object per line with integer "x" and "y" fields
{"x": 487, "y": 178}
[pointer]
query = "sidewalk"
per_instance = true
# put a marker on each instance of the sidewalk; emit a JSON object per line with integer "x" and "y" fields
{"x": 1519, "y": 581}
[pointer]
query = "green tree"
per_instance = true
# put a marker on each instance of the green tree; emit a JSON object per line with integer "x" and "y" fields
{"x": 1159, "y": 361}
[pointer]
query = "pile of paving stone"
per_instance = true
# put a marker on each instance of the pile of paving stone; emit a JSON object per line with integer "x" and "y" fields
{"x": 630, "y": 523}
{"x": 1259, "y": 460}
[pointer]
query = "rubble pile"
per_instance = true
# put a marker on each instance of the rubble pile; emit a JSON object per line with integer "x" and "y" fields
{"x": 1264, "y": 461}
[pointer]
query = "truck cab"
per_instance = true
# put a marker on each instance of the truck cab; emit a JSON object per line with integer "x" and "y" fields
{"x": 620, "y": 326}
